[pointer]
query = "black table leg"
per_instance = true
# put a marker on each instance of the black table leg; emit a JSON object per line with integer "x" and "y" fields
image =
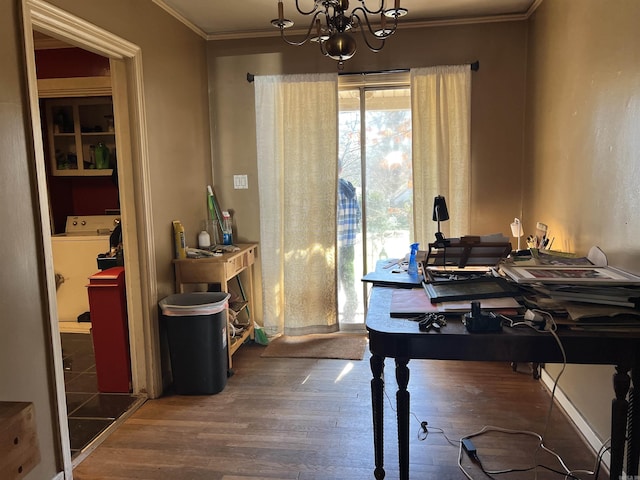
{"x": 377, "y": 390}
{"x": 402, "y": 399}
{"x": 633, "y": 433}
{"x": 619, "y": 409}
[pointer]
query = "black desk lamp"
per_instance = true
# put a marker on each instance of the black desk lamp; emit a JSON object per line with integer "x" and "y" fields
{"x": 440, "y": 214}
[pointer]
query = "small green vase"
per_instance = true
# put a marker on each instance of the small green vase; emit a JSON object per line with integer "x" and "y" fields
{"x": 102, "y": 156}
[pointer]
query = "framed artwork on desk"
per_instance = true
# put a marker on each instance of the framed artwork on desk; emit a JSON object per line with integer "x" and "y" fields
{"x": 574, "y": 275}
{"x": 472, "y": 289}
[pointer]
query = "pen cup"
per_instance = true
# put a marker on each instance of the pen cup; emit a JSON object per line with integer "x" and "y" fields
{"x": 541, "y": 231}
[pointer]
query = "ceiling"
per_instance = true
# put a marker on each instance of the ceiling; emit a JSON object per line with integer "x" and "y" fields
{"x": 216, "y": 20}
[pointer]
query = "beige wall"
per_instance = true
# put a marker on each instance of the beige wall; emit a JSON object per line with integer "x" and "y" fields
{"x": 176, "y": 95}
{"x": 497, "y": 107}
{"x": 583, "y": 148}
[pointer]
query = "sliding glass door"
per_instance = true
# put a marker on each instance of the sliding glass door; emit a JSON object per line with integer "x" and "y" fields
{"x": 375, "y": 166}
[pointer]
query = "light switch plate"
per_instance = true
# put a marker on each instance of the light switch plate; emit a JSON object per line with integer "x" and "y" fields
{"x": 240, "y": 182}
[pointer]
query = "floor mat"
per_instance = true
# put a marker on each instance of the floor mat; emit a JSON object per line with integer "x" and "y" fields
{"x": 345, "y": 346}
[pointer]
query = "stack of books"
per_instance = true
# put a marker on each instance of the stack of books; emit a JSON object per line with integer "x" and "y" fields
{"x": 586, "y": 288}
{"x": 627, "y": 296}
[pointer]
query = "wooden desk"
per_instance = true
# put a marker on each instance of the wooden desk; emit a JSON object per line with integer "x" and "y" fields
{"x": 222, "y": 270}
{"x": 402, "y": 340}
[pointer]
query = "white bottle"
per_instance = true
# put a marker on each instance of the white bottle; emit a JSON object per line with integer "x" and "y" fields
{"x": 204, "y": 239}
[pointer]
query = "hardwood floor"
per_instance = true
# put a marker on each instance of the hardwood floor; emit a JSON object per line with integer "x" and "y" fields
{"x": 309, "y": 419}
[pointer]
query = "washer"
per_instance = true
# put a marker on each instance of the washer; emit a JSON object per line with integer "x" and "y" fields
{"x": 75, "y": 255}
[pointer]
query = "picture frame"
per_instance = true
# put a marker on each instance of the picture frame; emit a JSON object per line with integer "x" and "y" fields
{"x": 467, "y": 252}
{"x": 438, "y": 275}
{"x": 574, "y": 275}
{"x": 472, "y": 289}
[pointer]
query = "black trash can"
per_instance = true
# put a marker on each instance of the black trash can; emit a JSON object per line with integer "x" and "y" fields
{"x": 196, "y": 328}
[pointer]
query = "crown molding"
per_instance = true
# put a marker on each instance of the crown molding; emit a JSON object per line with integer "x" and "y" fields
{"x": 181, "y": 18}
{"x": 248, "y": 34}
{"x": 446, "y": 22}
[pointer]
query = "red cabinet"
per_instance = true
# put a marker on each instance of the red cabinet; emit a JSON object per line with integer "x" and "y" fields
{"x": 109, "y": 330}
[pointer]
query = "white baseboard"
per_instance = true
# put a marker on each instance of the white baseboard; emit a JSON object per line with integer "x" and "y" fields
{"x": 576, "y": 417}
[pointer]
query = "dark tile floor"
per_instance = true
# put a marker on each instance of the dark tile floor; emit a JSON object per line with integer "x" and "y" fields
{"x": 90, "y": 413}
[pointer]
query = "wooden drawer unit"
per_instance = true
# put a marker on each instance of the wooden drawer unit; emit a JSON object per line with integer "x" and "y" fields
{"x": 250, "y": 256}
{"x": 19, "y": 450}
{"x": 235, "y": 265}
{"x": 200, "y": 271}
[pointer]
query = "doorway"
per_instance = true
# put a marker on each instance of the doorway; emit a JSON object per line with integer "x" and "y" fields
{"x": 134, "y": 188}
{"x": 74, "y": 87}
{"x": 375, "y": 159}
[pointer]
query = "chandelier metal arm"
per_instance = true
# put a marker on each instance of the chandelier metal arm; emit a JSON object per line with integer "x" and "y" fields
{"x": 323, "y": 49}
{"x": 387, "y": 31}
{"x": 370, "y": 12}
{"x": 372, "y": 47}
{"x": 307, "y": 36}
{"x": 315, "y": 7}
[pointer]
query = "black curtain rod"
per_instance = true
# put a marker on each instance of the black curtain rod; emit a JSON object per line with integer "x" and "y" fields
{"x": 475, "y": 66}
{"x": 375, "y": 72}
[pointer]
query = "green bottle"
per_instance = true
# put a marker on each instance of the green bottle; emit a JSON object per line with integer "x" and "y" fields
{"x": 102, "y": 156}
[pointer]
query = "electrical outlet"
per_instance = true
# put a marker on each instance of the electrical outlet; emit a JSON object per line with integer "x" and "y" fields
{"x": 240, "y": 182}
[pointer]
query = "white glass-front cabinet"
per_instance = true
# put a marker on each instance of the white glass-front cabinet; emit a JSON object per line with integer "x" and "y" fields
{"x": 81, "y": 137}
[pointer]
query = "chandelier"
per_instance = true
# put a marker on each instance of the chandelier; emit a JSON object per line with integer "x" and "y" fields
{"x": 332, "y": 26}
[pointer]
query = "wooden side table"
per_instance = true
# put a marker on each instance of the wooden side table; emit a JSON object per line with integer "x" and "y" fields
{"x": 223, "y": 270}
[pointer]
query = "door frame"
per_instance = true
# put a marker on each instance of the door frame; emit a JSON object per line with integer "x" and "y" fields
{"x": 134, "y": 185}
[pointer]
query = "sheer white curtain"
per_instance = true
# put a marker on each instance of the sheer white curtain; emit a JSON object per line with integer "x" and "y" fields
{"x": 297, "y": 130}
{"x": 441, "y": 113}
